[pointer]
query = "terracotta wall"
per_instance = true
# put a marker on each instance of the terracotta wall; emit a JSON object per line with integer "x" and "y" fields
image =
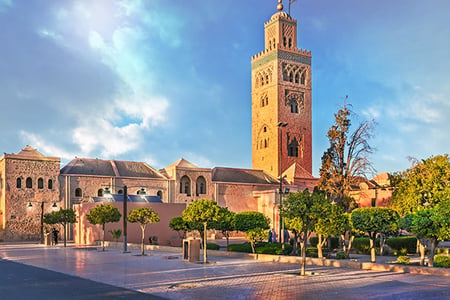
{"x": 86, "y": 233}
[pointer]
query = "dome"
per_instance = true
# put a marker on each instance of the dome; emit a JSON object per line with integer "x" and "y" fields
{"x": 280, "y": 14}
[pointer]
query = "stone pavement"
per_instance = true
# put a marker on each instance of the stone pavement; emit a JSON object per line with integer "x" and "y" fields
{"x": 165, "y": 274}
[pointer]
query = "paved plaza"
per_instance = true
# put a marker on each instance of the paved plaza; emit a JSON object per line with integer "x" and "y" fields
{"x": 166, "y": 275}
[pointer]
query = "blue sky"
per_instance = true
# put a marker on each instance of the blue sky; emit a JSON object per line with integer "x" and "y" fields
{"x": 155, "y": 81}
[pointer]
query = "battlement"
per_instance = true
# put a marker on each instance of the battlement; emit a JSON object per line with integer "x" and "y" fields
{"x": 280, "y": 47}
{"x": 280, "y": 15}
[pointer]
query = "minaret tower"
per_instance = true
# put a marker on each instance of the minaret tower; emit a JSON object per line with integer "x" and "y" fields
{"x": 281, "y": 100}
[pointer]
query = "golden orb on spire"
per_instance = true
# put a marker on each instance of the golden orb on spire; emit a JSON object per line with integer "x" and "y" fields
{"x": 280, "y": 5}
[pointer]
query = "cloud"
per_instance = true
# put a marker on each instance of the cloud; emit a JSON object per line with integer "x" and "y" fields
{"x": 5, "y": 4}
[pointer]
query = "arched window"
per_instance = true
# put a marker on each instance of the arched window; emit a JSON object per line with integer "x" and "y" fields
{"x": 265, "y": 129}
{"x": 40, "y": 183}
{"x": 284, "y": 41}
{"x": 294, "y": 107}
{"x": 290, "y": 42}
{"x": 120, "y": 192}
{"x": 291, "y": 76}
{"x": 50, "y": 184}
{"x": 293, "y": 148}
{"x": 159, "y": 194}
{"x": 19, "y": 183}
{"x": 201, "y": 185}
{"x": 100, "y": 193}
{"x": 185, "y": 185}
{"x": 78, "y": 192}
{"x": 29, "y": 183}
{"x": 265, "y": 143}
{"x": 296, "y": 77}
{"x": 267, "y": 79}
{"x": 303, "y": 79}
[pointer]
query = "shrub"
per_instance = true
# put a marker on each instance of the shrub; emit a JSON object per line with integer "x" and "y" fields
{"x": 275, "y": 249}
{"x": 212, "y": 246}
{"x": 403, "y": 251}
{"x": 311, "y": 251}
{"x": 341, "y": 255}
{"x": 442, "y": 261}
{"x": 313, "y": 241}
{"x": 245, "y": 247}
{"x": 362, "y": 244}
{"x": 403, "y": 242}
{"x": 404, "y": 260}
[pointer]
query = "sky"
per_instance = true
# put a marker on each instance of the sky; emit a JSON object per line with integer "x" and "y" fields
{"x": 157, "y": 80}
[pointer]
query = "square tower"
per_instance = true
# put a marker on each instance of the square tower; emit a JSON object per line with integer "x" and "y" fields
{"x": 281, "y": 100}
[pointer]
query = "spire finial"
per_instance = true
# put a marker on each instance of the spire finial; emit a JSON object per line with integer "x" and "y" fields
{"x": 280, "y": 5}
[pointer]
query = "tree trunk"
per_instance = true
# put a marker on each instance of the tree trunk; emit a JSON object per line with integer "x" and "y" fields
{"x": 205, "y": 242}
{"x": 103, "y": 241}
{"x": 372, "y": 247}
{"x": 382, "y": 241}
{"x": 431, "y": 252}
{"x": 294, "y": 247}
{"x": 422, "y": 253}
{"x": 320, "y": 244}
{"x": 227, "y": 236}
{"x": 142, "y": 240}
{"x": 253, "y": 246}
{"x": 350, "y": 241}
{"x": 303, "y": 251}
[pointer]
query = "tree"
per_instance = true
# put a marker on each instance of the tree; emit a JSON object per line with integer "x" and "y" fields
{"x": 346, "y": 159}
{"x": 201, "y": 212}
{"x": 180, "y": 226}
{"x": 375, "y": 220}
{"x": 102, "y": 214}
{"x": 424, "y": 185}
{"x": 254, "y": 224}
{"x": 334, "y": 223}
{"x": 143, "y": 216}
{"x": 301, "y": 212}
{"x": 116, "y": 233}
{"x": 225, "y": 222}
{"x": 62, "y": 217}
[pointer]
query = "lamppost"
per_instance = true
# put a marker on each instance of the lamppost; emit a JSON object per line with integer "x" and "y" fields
{"x": 125, "y": 212}
{"x": 280, "y": 126}
{"x": 54, "y": 207}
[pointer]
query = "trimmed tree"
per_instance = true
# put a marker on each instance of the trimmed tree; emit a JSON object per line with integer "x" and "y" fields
{"x": 201, "y": 212}
{"x": 143, "y": 216}
{"x": 254, "y": 224}
{"x": 301, "y": 212}
{"x": 225, "y": 222}
{"x": 61, "y": 217}
{"x": 180, "y": 226}
{"x": 102, "y": 214}
{"x": 334, "y": 223}
{"x": 373, "y": 221}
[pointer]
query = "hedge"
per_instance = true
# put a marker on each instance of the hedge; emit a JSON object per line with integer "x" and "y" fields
{"x": 403, "y": 242}
{"x": 362, "y": 244}
{"x": 442, "y": 261}
{"x": 212, "y": 246}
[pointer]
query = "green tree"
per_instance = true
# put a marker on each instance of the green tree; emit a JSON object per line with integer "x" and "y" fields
{"x": 425, "y": 185}
{"x": 301, "y": 212}
{"x": 201, "y": 212}
{"x": 102, "y": 214}
{"x": 143, "y": 216}
{"x": 116, "y": 233}
{"x": 61, "y": 217}
{"x": 254, "y": 224}
{"x": 225, "y": 222}
{"x": 180, "y": 226}
{"x": 334, "y": 223}
{"x": 346, "y": 159}
{"x": 373, "y": 221}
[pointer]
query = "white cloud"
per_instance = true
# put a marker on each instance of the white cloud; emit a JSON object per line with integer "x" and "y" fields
{"x": 44, "y": 146}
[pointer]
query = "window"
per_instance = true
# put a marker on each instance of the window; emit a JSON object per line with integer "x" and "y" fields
{"x": 303, "y": 79}
{"x": 265, "y": 143}
{"x": 290, "y": 42}
{"x": 293, "y": 148}
{"x": 185, "y": 185}
{"x": 120, "y": 192}
{"x": 100, "y": 193}
{"x": 40, "y": 183}
{"x": 291, "y": 77}
{"x": 19, "y": 183}
{"x": 50, "y": 184}
{"x": 265, "y": 129}
{"x": 296, "y": 77}
{"x": 29, "y": 183}
{"x": 78, "y": 192}
{"x": 284, "y": 41}
{"x": 159, "y": 194}
{"x": 294, "y": 107}
{"x": 201, "y": 185}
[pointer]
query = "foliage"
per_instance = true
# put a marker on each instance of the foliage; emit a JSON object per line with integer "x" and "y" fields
{"x": 256, "y": 235}
{"x": 301, "y": 212}
{"x": 374, "y": 220}
{"x": 404, "y": 260}
{"x": 442, "y": 261}
{"x": 346, "y": 159}
{"x": 334, "y": 241}
{"x": 334, "y": 223}
{"x": 62, "y": 217}
{"x": 403, "y": 242}
{"x": 274, "y": 249}
{"x": 143, "y": 216}
{"x": 224, "y": 222}
{"x": 212, "y": 246}
{"x": 250, "y": 220}
{"x": 198, "y": 213}
{"x": 341, "y": 255}
{"x": 425, "y": 185}
{"x": 245, "y": 247}
{"x": 362, "y": 244}
{"x": 116, "y": 233}
{"x": 102, "y": 214}
{"x": 180, "y": 226}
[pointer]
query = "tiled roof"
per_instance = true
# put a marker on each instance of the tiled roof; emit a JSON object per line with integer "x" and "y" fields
{"x": 136, "y": 169}
{"x": 182, "y": 163}
{"x": 242, "y": 176}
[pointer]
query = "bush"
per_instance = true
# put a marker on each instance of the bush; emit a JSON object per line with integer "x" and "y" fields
{"x": 334, "y": 242}
{"x": 341, "y": 255}
{"x": 311, "y": 251}
{"x": 245, "y": 247}
{"x": 404, "y": 260}
{"x": 362, "y": 244}
{"x": 403, "y": 242}
{"x": 212, "y": 246}
{"x": 275, "y": 249}
{"x": 442, "y": 261}
{"x": 313, "y": 241}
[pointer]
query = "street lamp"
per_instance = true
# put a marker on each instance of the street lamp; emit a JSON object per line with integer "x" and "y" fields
{"x": 54, "y": 208}
{"x": 125, "y": 212}
{"x": 280, "y": 126}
